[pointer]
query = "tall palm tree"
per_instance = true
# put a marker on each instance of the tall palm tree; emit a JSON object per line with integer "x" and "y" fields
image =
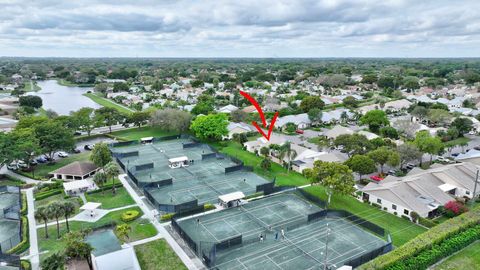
{"x": 55, "y": 210}
{"x": 287, "y": 151}
{"x": 68, "y": 209}
{"x": 112, "y": 171}
{"x": 100, "y": 178}
{"x": 41, "y": 214}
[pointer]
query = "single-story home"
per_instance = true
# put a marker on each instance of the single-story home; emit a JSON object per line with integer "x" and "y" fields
{"x": 395, "y": 106}
{"x": 227, "y": 109}
{"x": 256, "y": 145}
{"x": 237, "y": 128}
{"x": 300, "y": 120}
{"x": 337, "y": 131}
{"x": 77, "y": 170}
{"x": 422, "y": 191}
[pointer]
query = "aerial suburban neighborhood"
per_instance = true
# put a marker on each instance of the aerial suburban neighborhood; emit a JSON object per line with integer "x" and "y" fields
{"x": 239, "y": 135}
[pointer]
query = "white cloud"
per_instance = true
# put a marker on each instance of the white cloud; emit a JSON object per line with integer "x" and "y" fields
{"x": 255, "y": 28}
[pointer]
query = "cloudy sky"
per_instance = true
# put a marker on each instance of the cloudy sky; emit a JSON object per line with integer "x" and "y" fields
{"x": 240, "y": 28}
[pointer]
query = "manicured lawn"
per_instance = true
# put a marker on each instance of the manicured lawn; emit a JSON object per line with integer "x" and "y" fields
{"x": 109, "y": 200}
{"x": 157, "y": 255}
{"x": 283, "y": 177}
{"x": 42, "y": 170}
{"x": 140, "y": 229}
{"x": 7, "y": 180}
{"x": 467, "y": 258}
{"x": 138, "y": 133}
{"x": 60, "y": 198}
{"x": 108, "y": 103}
{"x": 31, "y": 86}
{"x": 400, "y": 229}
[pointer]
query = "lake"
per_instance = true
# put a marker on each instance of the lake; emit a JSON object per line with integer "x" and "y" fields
{"x": 63, "y": 99}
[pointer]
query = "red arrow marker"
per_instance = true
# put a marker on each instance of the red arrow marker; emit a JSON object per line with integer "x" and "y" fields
{"x": 262, "y": 116}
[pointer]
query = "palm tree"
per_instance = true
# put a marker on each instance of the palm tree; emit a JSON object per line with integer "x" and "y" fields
{"x": 287, "y": 151}
{"x": 100, "y": 178}
{"x": 68, "y": 209}
{"x": 123, "y": 230}
{"x": 41, "y": 214}
{"x": 55, "y": 210}
{"x": 56, "y": 261}
{"x": 111, "y": 171}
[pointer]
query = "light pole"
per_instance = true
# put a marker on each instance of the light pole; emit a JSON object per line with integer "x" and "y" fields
{"x": 475, "y": 189}
{"x": 326, "y": 248}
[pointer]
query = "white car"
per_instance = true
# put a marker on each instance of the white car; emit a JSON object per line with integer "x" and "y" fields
{"x": 22, "y": 164}
{"x": 62, "y": 154}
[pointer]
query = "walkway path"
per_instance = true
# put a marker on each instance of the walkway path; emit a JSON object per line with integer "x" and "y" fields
{"x": 22, "y": 178}
{"x": 32, "y": 229}
{"x": 189, "y": 263}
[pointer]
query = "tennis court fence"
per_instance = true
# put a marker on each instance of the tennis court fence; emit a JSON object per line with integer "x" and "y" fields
{"x": 10, "y": 260}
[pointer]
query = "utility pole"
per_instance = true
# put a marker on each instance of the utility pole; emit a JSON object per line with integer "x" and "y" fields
{"x": 326, "y": 248}
{"x": 475, "y": 188}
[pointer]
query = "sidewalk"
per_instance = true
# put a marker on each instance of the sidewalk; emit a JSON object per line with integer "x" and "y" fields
{"x": 32, "y": 229}
{"x": 189, "y": 263}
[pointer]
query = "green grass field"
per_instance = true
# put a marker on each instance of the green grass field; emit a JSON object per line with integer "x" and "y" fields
{"x": 141, "y": 229}
{"x": 138, "y": 133}
{"x": 60, "y": 198}
{"x": 400, "y": 229}
{"x": 108, "y": 103}
{"x": 457, "y": 141}
{"x": 42, "y": 170}
{"x": 7, "y": 180}
{"x": 31, "y": 86}
{"x": 109, "y": 200}
{"x": 157, "y": 255}
{"x": 467, "y": 258}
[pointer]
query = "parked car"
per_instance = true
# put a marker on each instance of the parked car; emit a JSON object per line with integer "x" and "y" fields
{"x": 477, "y": 147}
{"x": 392, "y": 172}
{"x": 76, "y": 150}
{"x": 77, "y": 133}
{"x": 62, "y": 154}
{"x": 472, "y": 132}
{"x": 33, "y": 162}
{"x": 376, "y": 178}
{"x": 299, "y": 131}
{"x": 22, "y": 164}
{"x": 41, "y": 159}
{"x": 89, "y": 147}
{"x": 12, "y": 166}
{"x": 410, "y": 166}
{"x": 455, "y": 154}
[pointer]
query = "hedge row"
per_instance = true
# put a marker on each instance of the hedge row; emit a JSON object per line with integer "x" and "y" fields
{"x": 26, "y": 265}
{"x": 426, "y": 240}
{"x": 439, "y": 251}
{"x": 46, "y": 194}
{"x": 25, "y": 243}
{"x": 24, "y": 209}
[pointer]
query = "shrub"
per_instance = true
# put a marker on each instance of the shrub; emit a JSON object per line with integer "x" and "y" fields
{"x": 166, "y": 217}
{"x": 24, "y": 209}
{"x": 208, "y": 206}
{"x": 24, "y": 244}
{"x": 414, "y": 216}
{"x": 25, "y": 265}
{"x": 46, "y": 194}
{"x": 454, "y": 208}
{"x": 427, "y": 222}
{"x": 130, "y": 215}
{"x": 377, "y": 205}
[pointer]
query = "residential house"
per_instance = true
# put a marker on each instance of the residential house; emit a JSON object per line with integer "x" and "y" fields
{"x": 227, "y": 109}
{"x": 237, "y": 128}
{"x": 337, "y": 131}
{"x": 256, "y": 145}
{"x": 302, "y": 121}
{"x": 422, "y": 191}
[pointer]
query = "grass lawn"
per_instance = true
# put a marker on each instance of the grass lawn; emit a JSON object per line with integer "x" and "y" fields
{"x": 467, "y": 258}
{"x": 400, "y": 229}
{"x": 157, "y": 255}
{"x": 140, "y": 229}
{"x": 7, "y": 180}
{"x": 109, "y": 200}
{"x": 457, "y": 141}
{"x": 138, "y": 133}
{"x": 31, "y": 86}
{"x": 283, "y": 177}
{"x": 42, "y": 170}
{"x": 60, "y": 198}
{"x": 108, "y": 103}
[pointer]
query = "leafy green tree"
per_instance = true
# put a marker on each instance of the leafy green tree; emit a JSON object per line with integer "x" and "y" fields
{"x": 375, "y": 119}
{"x": 210, "y": 127}
{"x": 386, "y": 82}
{"x": 68, "y": 210}
{"x": 350, "y": 102}
{"x": 315, "y": 115}
{"x": 439, "y": 116}
{"x": 264, "y": 151}
{"x": 85, "y": 120}
{"x": 171, "y": 120}
{"x": 428, "y": 144}
{"x": 411, "y": 83}
{"x": 106, "y": 116}
{"x": 290, "y": 127}
{"x": 123, "y": 231}
{"x": 462, "y": 125}
{"x": 369, "y": 78}
{"x": 120, "y": 87}
{"x": 55, "y": 210}
{"x": 241, "y": 138}
{"x": 384, "y": 155}
{"x": 101, "y": 155}
{"x": 238, "y": 116}
{"x": 53, "y": 137}
{"x": 56, "y": 261}
{"x": 99, "y": 178}
{"x": 335, "y": 177}
{"x": 112, "y": 171}
{"x": 77, "y": 248}
{"x": 138, "y": 119}
{"x": 311, "y": 102}
{"x": 353, "y": 144}
{"x": 41, "y": 214}
{"x": 419, "y": 112}
{"x": 25, "y": 144}
{"x": 361, "y": 164}
{"x": 408, "y": 152}
{"x": 31, "y": 101}
{"x": 266, "y": 164}
{"x": 389, "y": 132}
